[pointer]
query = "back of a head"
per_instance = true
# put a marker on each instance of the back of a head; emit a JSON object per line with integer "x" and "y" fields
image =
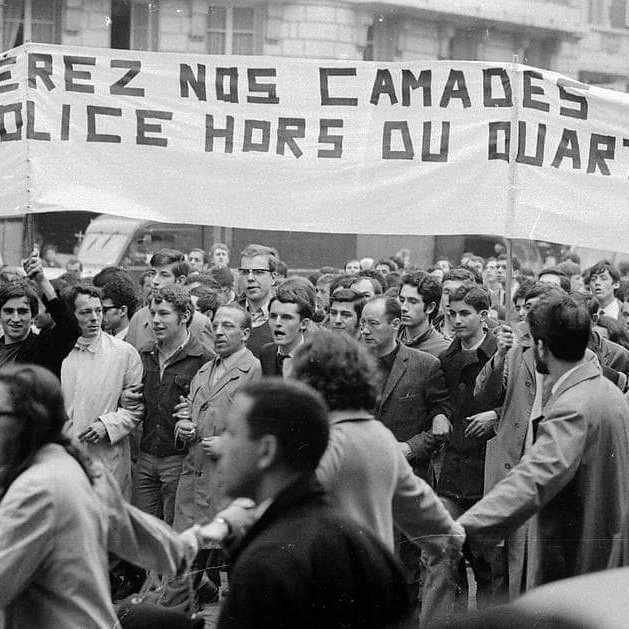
{"x": 111, "y": 273}
{"x": 459, "y": 274}
{"x": 223, "y": 276}
{"x": 564, "y": 280}
{"x": 339, "y": 368}
{"x": 295, "y": 414}
{"x": 541, "y": 289}
{"x": 563, "y": 324}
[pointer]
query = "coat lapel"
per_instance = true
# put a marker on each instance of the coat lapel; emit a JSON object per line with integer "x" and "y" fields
{"x": 242, "y": 366}
{"x": 397, "y": 371}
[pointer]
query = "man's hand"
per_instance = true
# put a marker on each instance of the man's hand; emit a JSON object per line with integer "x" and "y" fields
{"x": 33, "y": 266}
{"x": 131, "y": 399}
{"x": 211, "y": 446}
{"x": 240, "y": 516}
{"x": 94, "y": 433}
{"x": 481, "y": 424}
{"x": 186, "y": 430}
{"x": 505, "y": 339}
{"x": 441, "y": 426}
{"x": 183, "y": 409}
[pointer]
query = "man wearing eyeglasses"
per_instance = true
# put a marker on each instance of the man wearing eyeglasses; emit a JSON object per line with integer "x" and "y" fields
{"x": 258, "y": 266}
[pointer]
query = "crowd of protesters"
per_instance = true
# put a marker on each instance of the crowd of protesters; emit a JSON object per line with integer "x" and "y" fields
{"x": 366, "y": 421}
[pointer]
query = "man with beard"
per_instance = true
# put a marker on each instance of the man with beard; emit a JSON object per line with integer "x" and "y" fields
{"x": 575, "y": 476}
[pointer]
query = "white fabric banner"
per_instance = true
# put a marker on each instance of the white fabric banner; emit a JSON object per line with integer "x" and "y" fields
{"x": 427, "y": 147}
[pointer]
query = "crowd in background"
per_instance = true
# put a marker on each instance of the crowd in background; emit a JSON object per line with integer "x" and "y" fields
{"x": 459, "y": 372}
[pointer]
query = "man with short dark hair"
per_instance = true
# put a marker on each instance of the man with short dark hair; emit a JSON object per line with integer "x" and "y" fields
{"x": 119, "y": 305}
{"x": 346, "y": 306}
{"x": 575, "y": 476}
{"x": 419, "y": 297}
{"x": 460, "y": 483}
{"x": 94, "y": 375}
{"x": 291, "y": 311}
{"x": 168, "y": 266}
{"x": 19, "y": 306}
{"x": 288, "y": 568}
{"x": 169, "y": 364}
{"x": 451, "y": 281}
{"x": 603, "y": 279}
{"x": 258, "y": 266}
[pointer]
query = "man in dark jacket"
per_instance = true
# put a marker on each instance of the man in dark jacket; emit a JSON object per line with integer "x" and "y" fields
{"x": 19, "y": 306}
{"x": 460, "y": 483}
{"x": 290, "y": 313}
{"x": 302, "y": 564}
{"x": 169, "y": 364}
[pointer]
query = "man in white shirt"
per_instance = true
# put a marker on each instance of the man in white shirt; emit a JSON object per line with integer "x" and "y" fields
{"x": 603, "y": 279}
{"x": 290, "y": 314}
{"x": 93, "y": 377}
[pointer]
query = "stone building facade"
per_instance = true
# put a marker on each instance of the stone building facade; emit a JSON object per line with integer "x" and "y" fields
{"x": 586, "y": 39}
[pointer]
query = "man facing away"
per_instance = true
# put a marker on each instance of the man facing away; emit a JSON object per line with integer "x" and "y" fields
{"x": 169, "y": 364}
{"x": 290, "y": 314}
{"x": 364, "y": 471}
{"x": 93, "y": 377}
{"x": 302, "y": 564}
{"x": 575, "y": 476}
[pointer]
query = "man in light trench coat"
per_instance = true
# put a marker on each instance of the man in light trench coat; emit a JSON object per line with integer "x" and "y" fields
{"x": 575, "y": 476}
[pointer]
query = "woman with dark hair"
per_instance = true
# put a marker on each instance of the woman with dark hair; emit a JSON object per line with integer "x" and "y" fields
{"x": 364, "y": 471}
{"x": 60, "y": 515}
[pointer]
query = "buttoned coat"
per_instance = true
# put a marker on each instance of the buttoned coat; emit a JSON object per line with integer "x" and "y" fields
{"x": 413, "y": 394}
{"x": 575, "y": 477}
{"x": 200, "y": 486}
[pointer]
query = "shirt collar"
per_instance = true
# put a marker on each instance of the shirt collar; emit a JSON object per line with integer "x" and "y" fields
{"x": 88, "y": 345}
{"x": 232, "y": 359}
{"x": 292, "y": 352}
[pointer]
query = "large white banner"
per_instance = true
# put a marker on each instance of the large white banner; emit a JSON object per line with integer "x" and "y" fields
{"x": 426, "y": 147}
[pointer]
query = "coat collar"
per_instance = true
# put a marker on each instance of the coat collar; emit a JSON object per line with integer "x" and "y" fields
{"x": 242, "y": 365}
{"x": 486, "y": 348}
{"x": 585, "y": 371}
{"x": 305, "y": 489}
{"x": 397, "y": 371}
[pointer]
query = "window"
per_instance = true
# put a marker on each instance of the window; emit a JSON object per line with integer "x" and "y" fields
{"x": 382, "y": 37}
{"x": 234, "y": 30}
{"x": 31, "y": 20}
{"x": 465, "y": 44}
{"x": 134, "y": 24}
{"x": 609, "y": 13}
